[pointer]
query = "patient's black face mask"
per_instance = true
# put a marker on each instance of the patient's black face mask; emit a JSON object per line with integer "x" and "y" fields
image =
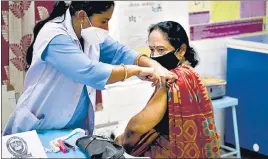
{"x": 169, "y": 60}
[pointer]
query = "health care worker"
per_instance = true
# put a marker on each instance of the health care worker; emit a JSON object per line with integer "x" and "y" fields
{"x": 59, "y": 90}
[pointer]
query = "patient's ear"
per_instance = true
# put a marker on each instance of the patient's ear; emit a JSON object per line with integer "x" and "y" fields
{"x": 181, "y": 52}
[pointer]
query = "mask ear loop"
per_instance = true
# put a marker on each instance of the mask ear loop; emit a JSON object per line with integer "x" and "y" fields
{"x": 82, "y": 22}
{"x": 179, "y": 59}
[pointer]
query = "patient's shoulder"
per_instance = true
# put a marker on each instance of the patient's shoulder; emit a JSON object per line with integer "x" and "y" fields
{"x": 186, "y": 76}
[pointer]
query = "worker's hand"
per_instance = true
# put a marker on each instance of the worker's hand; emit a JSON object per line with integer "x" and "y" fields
{"x": 164, "y": 73}
{"x": 163, "y": 81}
{"x": 147, "y": 74}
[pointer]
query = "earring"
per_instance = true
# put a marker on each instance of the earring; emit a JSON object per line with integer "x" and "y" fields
{"x": 81, "y": 25}
{"x": 180, "y": 60}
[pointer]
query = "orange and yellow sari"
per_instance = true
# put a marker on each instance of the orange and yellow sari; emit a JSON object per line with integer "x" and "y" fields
{"x": 192, "y": 132}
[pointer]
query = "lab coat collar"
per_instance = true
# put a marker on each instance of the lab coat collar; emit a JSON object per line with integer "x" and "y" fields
{"x": 66, "y": 21}
{"x": 68, "y": 24}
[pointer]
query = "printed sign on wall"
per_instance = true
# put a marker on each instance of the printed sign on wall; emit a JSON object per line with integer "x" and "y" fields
{"x": 213, "y": 19}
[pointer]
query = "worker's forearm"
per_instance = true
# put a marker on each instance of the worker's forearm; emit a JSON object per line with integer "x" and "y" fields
{"x": 145, "y": 61}
{"x": 151, "y": 115}
{"x": 118, "y": 73}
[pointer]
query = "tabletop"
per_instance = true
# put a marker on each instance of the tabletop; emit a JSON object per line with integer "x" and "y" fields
{"x": 255, "y": 38}
{"x": 47, "y": 135}
{"x": 253, "y": 43}
{"x": 224, "y": 102}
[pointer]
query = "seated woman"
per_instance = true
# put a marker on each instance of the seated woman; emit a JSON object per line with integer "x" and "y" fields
{"x": 178, "y": 121}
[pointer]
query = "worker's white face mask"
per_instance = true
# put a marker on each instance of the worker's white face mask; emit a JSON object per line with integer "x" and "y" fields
{"x": 93, "y": 35}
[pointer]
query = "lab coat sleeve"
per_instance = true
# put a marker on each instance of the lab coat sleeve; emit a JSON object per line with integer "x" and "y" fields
{"x": 64, "y": 55}
{"x": 113, "y": 52}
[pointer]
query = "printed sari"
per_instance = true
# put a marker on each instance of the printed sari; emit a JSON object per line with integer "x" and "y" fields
{"x": 192, "y": 132}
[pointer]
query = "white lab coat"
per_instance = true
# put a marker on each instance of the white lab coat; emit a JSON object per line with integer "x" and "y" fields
{"x": 50, "y": 99}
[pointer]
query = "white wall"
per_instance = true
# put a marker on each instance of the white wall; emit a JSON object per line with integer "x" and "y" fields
{"x": 212, "y": 54}
{"x": 177, "y": 11}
